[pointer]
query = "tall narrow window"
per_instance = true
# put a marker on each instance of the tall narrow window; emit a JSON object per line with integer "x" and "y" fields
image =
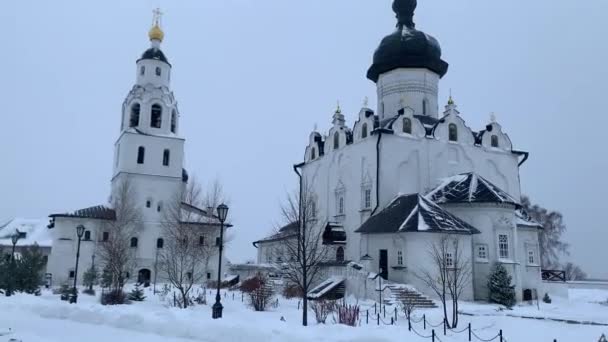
{"x": 201, "y": 240}
{"x": 336, "y": 140}
{"x": 142, "y": 70}
{"x": 157, "y": 71}
{"x": 313, "y": 153}
{"x": 424, "y": 105}
{"x": 367, "y": 198}
{"x": 160, "y": 243}
{"x": 134, "y": 242}
{"x": 364, "y": 131}
{"x": 407, "y": 125}
{"x": 399, "y": 258}
{"x": 87, "y": 235}
{"x": 482, "y": 252}
{"x": 453, "y": 132}
{"x": 313, "y": 209}
{"x": 166, "y": 156}
{"x": 156, "y": 116}
{"x": 494, "y": 141}
{"x": 134, "y": 119}
{"x": 449, "y": 260}
{"x": 503, "y": 246}
{"x": 340, "y": 254}
{"x": 159, "y": 207}
{"x": 141, "y": 154}
{"x": 217, "y": 241}
{"x": 173, "y": 121}
{"x": 341, "y": 205}
{"x": 105, "y": 236}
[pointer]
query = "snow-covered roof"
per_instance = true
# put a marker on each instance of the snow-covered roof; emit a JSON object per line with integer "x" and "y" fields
{"x": 35, "y": 232}
{"x": 526, "y": 221}
{"x": 325, "y": 287}
{"x": 415, "y": 213}
{"x": 288, "y": 231}
{"x": 469, "y": 188}
{"x": 101, "y": 212}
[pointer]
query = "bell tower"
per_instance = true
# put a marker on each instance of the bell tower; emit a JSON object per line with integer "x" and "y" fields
{"x": 149, "y": 151}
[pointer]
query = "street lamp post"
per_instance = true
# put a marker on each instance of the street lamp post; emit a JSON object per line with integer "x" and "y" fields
{"x": 222, "y": 212}
{"x": 79, "y": 233}
{"x": 14, "y": 239}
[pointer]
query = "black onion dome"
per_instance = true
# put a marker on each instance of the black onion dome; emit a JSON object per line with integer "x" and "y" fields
{"x": 155, "y": 54}
{"x": 407, "y": 47}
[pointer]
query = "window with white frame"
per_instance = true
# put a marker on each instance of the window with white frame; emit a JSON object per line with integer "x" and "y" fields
{"x": 313, "y": 209}
{"x": 503, "y": 246}
{"x": 399, "y": 258}
{"x": 449, "y": 260}
{"x": 482, "y": 252}
{"x": 531, "y": 255}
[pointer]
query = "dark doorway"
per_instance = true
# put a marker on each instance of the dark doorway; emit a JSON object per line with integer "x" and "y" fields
{"x": 527, "y": 294}
{"x": 143, "y": 277}
{"x": 383, "y": 264}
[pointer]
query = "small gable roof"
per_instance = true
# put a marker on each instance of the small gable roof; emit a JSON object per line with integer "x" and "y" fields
{"x": 469, "y": 188}
{"x": 100, "y": 212}
{"x": 288, "y": 231}
{"x": 415, "y": 213}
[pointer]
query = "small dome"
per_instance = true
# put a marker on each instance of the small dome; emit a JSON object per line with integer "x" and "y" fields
{"x": 407, "y": 47}
{"x": 156, "y": 54}
{"x": 156, "y": 33}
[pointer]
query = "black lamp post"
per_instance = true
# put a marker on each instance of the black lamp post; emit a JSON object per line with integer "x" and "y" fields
{"x": 79, "y": 233}
{"x": 14, "y": 239}
{"x": 222, "y": 212}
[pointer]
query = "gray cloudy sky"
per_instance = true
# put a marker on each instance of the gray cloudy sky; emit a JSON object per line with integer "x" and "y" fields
{"x": 253, "y": 77}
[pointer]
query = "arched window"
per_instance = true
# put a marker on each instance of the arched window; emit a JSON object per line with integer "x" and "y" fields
{"x": 134, "y": 120}
{"x": 340, "y": 254}
{"x": 141, "y": 154}
{"x": 336, "y": 140}
{"x": 424, "y": 105}
{"x": 453, "y": 132}
{"x": 159, "y": 206}
{"x": 148, "y": 203}
{"x": 341, "y": 205}
{"x": 313, "y": 153}
{"x": 157, "y": 71}
{"x": 160, "y": 243}
{"x": 133, "y": 242}
{"x": 313, "y": 209}
{"x": 166, "y": 155}
{"x": 156, "y": 115}
{"x": 494, "y": 141}
{"x": 364, "y": 131}
{"x": 142, "y": 70}
{"x": 87, "y": 235}
{"x": 173, "y": 121}
{"x": 407, "y": 125}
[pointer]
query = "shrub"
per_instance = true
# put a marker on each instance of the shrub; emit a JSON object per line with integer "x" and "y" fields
{"x": 408, "y": 305}
{"x": 546, "y": 298}
{"x": 90, "y": 292}
{"x": 348, "y": 314}
{"x": 259, "y": 290}
{"x": 322, "y": 309}
{"x": 137, "y": 294}
{"x": 292, "y": 291}
{"x": 90, "y": 278}
{"x": 115, "y": 297}
{"x": 65, "y": 291}
{"x": 499, "y": 286}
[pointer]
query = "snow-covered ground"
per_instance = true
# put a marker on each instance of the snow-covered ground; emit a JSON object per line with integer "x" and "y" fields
{"x": 47, "y": 319}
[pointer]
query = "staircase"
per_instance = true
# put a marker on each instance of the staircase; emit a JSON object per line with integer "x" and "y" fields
{"x": 400, "y": 293}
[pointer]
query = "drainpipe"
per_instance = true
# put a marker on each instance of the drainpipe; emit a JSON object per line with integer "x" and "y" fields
{"x": 377, "y": 172}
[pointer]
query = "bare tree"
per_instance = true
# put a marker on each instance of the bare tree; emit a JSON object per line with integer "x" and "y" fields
{"x": 213, "y": 196}
{"x": 550, "y": 238}
{"x": 449, "y": 275}
{"x": 303, "y": 254}
{"x": 115, "y": 253}
{"x": 186, "y": 251}
{"x": 574, "y": 272}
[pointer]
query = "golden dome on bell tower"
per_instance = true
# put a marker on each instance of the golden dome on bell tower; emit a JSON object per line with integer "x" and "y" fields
{"x": 156, "y": 33}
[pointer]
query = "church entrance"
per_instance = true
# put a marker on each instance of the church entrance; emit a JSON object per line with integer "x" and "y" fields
{"x": 143, "y": 277}
{"x": 383, "y": 264}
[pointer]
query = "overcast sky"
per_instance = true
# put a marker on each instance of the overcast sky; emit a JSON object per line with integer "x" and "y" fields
{"x": 252, "y": 77}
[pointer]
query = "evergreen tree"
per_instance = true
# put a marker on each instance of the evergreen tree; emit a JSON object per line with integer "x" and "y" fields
{"x": 499, "y": 286}
{"x": 90, "y": 277}
{"x": 4, "y": 272}
{"x": 137, "y": 294}
{"x": 28, "y": 270}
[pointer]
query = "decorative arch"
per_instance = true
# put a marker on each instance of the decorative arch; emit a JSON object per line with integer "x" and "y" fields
{"x": 340, "y": 254}
{"x": 364, "y": 130}
{"x": 407, "y": 125}
{"x": 160, "y": 243}
{"x": 134, "y": 242}
{"x": 336, "y": 140}
{"x": 453, "y": 132}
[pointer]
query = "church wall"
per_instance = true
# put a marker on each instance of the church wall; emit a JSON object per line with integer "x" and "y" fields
{"x": 127, "y": 150}
{"x": 408, "y": 87}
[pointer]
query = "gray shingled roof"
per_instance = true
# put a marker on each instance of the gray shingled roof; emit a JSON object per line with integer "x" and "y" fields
{"x": 469, "y": 188}
{"x": 100, "y": 212}
{"x": 414, "y": 213}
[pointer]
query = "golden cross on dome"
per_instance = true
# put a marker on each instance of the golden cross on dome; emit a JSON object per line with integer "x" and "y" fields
{"x": 157, "y": 15}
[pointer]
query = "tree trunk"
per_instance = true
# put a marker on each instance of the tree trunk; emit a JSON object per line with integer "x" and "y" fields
{"x": 185, "y": 299}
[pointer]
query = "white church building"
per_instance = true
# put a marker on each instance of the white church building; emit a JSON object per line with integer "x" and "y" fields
{"x": 405, "y": 174}
{"x": 149, "y": 154}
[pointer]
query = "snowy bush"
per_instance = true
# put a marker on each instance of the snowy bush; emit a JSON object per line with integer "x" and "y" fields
{"x": 499, "y": 286}
{"x": 115, "y": 297}
{"x": 348, "y": 314}
{"x": 322, "y": 309}
{"x": 137, "y": 294}
{"x": 259, "y": 290}
{"x": 547, "y": 299}
{"x": 292, "y": 291}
